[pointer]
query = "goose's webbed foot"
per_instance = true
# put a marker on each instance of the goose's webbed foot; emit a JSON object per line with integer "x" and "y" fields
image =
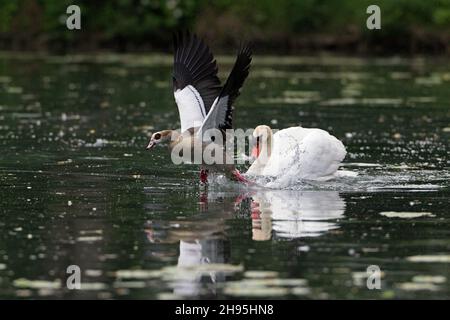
{"x": 237, "y": 176}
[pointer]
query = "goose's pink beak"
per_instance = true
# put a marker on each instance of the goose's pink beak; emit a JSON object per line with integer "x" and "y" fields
{"x": 150, "y": 145}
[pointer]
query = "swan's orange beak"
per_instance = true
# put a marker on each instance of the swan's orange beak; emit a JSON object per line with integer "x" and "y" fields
{"x": 255, "y": 152}
{"x": 256, "y": 149}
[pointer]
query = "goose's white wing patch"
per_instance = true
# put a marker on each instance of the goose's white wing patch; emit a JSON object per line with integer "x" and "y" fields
{"x": 215, "y": 118}
{"x": 220, "y": 116}
{"x": 190, "y": 107}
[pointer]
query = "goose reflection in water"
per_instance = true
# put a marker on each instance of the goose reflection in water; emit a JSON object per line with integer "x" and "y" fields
{"x": 203, "y": 237}
{"x": 202, "y": 240}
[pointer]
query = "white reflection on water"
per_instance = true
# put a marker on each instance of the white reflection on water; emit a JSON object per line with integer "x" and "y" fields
{"x": 195, "y": 254}
{"x": 278, "y": 213}
{"x": 295, "y": 214}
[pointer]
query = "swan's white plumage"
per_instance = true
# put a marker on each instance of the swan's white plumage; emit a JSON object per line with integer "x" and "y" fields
{"x": 301, "y": 153}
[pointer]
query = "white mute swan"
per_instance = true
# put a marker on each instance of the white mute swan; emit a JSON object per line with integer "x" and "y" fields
{"x": 296, "y": 153}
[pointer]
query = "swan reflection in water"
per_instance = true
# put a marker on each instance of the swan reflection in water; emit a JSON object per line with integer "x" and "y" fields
{"x": 203, "y": 237}
{"x": 295, "y": 214}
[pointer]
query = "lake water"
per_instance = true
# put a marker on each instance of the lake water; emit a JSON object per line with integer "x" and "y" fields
{"x": 77, "y": 186}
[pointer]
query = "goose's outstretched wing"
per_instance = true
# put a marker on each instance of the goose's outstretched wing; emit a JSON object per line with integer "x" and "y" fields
{"x": 221, "y": 114}
{"x": 195, "y": 81}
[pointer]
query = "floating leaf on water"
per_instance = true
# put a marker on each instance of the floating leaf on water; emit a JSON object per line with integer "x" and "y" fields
{"x": 429, "y": 279}
{"x": 92, "y": 286}
{"x": 168, "y": 296}
{"x": 285, "y": 100}
{"x": 144, "y": 128}
{"x": 240, "y": 291}
{"x": 93, "y": 273}
{"x": 178, "y": 272}
{"x": 130, "y": 284}
{"x": 64, "y": 162}
{"x": 269, "y": 282}
{"x": 382, "y": 101}
{"x": 260, "y": 274}
{"x": 339, "y": 102}
{"x": 302, "y": 94}
{"x": 300, "y": 291}
{"x": 370, "y": 250}
{"x": 430, "y": 258}
{"x": 433, "y": 80}
{"x": 406, "y": 215}
{"x": 412, "y": 286}
{"x": 95, "y": 231}
{"x": 2, "y": 266}
{"x": 137, "y": 274}
{"x": 365, "y": 101}
{"x": 421, "y": 99}
{"x": 289, "y": 282}
{"x": 89, "y": 239}
{"x": 362, "y": 164}
{"x": 14, "y": 90}
{"x": 37, "y": 284}
{"x": 409, "y": 187}
{"x": 402, "y": 167}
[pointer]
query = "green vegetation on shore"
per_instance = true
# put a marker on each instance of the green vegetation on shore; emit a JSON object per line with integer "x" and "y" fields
{"x": 275, "y": 26}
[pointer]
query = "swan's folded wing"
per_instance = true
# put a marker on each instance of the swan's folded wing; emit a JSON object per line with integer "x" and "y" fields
{"x": 303, "y": 153}
{"x": 322, "y": 154}
{"x": 221, "y": 115}
{"x": 195, "y": 81}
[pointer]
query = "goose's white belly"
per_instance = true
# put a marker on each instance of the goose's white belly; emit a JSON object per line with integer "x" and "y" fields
{"x": 302, "y": 153}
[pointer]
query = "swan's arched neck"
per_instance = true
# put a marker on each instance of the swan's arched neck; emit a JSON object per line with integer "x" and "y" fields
{"x": 264, "y": 150}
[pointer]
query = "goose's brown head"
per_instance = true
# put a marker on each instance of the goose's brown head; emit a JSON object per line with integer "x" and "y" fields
{"x": 159, "y": 137}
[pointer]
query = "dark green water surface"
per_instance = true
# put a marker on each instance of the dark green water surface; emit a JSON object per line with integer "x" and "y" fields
{"x": 77, "y": 186}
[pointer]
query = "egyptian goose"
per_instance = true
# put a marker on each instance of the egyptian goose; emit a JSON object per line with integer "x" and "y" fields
{"x": 203, "y": 104}
{"x": 295, "y": 153}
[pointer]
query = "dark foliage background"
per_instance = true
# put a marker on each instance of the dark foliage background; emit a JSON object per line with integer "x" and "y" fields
{"x": 286, "y": 26}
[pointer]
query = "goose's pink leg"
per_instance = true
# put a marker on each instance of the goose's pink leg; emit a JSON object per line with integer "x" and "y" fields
{"x": 240, "y": 178}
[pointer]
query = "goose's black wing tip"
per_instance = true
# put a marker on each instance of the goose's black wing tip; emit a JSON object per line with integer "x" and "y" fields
{"x": 194, "y": 64}
{"x": 246, "y": 48}
{"x": 239, "y": 73}
{"x": 235, "y": 81}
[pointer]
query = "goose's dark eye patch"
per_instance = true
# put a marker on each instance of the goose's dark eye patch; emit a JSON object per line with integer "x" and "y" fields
{"x": 157, "y": 136}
